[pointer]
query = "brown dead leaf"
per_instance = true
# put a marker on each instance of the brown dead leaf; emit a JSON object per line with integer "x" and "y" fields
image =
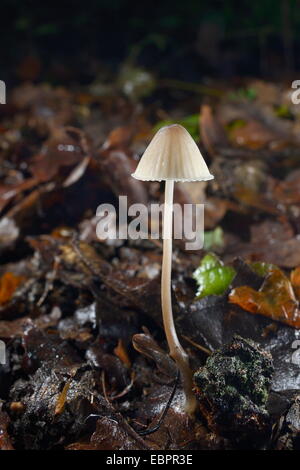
{"x": 288, "y": 191}
{"x": 253, "y": 135}
{"x": 119, "y": 138}
{"x": 8, "y": 284}
{"x": 61, "y": 153}
{"x": 211, "y": 131}
{"x": 61, "y": 401}
{"x": 112, "y": 434}
{"x": 275, "y": 299}
{"x": 116, "y": 169}
{"x": 121, "y": 352}
{"x": 295, "y": 280}
{"x": 272, "y": 242}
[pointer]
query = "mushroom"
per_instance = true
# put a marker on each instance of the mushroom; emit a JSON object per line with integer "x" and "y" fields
{"x": 172, "y": 156}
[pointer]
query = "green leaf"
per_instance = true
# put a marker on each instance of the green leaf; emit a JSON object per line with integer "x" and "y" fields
{"x": 283, "y": 111}
{"x": 213, "y": 239}
{"x": 243, "y": 94}
{"x": 212, "y": 277}
{"x": 236, "y": 124}
{"x": 261, "y": 268}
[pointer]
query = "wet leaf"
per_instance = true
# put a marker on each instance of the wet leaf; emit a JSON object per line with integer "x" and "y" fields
{"x": 275, "y": 299}
{"x": 261, "y": 268}
{"x": 178, "y": 430}
{"x": 113, "y": 434}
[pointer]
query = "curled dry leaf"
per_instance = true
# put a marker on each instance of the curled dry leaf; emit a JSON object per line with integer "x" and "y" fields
{"x": 212, "y": 133}
{"x": 119, "y": 138}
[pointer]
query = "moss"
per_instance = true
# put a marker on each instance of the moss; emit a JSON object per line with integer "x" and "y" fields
{"x": 233, "y": 388}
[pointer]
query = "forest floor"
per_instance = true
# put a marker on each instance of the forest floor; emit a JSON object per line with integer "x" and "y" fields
{"x": 87, "y": 365}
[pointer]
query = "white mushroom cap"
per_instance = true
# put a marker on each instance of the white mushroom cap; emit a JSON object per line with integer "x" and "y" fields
{"x": 172, "y": 155}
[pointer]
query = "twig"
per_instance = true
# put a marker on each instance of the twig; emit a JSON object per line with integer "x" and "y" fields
{"x": 162, "y": 416}
{"x": 193, "y": 87}
{"x": 104, "y": 386}
{"x": 198, "y": 346}
{"x": 49, "y": 282}
{"x": 124, "y": 391}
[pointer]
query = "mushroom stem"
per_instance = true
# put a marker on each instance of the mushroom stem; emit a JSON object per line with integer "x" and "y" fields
{"x": 176, "y": 350}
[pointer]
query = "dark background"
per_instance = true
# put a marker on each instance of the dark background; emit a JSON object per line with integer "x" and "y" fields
{"x": 65, "y": 42}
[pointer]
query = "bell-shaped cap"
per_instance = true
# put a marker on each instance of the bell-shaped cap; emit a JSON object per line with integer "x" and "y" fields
{"x": 172, "y": 155}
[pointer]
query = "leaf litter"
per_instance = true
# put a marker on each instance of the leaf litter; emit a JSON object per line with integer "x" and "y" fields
{"x": 87, "y": 366}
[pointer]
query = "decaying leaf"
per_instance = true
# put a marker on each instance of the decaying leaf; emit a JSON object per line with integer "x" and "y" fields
{"x": 9, "y": 282}
{"x": 275, "y": 299}
{"x": 295, "y": 281}
{"x": 82, "y": 369}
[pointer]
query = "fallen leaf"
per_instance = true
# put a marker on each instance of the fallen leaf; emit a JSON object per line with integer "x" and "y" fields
{"x": 8, "y": 284}
{"x": 295, "y": 280}
{"x": 275, "y": 299}
{"x": 64, "y": 151}
{"x": 115, "y": 434}
{"x": 121, "y": 352}
{"x": 212, "y": 133}
{"x": 61, "y": 400}
{"x": 253, "y": 135}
